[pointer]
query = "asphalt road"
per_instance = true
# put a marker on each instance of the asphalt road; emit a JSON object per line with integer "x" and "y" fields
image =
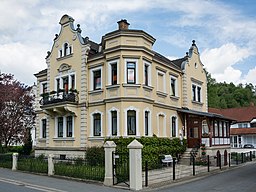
{"x": 11, "y": 181}
{"x": 234, "y": 180}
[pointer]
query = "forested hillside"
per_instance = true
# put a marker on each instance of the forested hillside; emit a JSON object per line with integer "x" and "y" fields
{"x": 224, "y": 95}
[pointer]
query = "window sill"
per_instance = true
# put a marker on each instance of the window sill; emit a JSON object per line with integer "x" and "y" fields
{"x": 64, "y": 139}
{"x": 65, "y": 57}
{"x": 131, "y": 85}
{"x": 161, "y": 94}
{"x": 42, "y": 139}
{"x": 91, "y": 138}
{"x": 174, "y": 97}
{"x": 197, "y": 103}
{"x": 96, "y": 91}
{"x": 113, "y": 86}
{"x": 148, "y": 87}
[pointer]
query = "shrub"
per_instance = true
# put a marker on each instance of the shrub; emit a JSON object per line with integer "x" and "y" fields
{"x": 95, "y": 155}
{"x": 153, "y": 148}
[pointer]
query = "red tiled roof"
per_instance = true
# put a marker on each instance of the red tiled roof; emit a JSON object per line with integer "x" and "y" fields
{"x": 242, "y": 114}
{"x": 242, "y": 131}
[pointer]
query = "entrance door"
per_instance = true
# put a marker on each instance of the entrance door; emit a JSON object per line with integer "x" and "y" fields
{"x": 194, "y": 130}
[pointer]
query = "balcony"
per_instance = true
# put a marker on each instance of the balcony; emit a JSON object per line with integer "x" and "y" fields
{"x": 59, "y": 98}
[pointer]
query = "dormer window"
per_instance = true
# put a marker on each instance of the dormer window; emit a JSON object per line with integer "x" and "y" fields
{"x": 65, "y": 50}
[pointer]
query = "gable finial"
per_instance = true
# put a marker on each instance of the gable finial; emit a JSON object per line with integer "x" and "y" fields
{"x": 78, "y": 28}
{"x": 193, "y": 43}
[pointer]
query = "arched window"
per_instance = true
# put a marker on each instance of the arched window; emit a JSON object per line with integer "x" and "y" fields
{"x": 65, "y": 49}
{"x": 131, "y": 122}
{"x": 96, "y": 124}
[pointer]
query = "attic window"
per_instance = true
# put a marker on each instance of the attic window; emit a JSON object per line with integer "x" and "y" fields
{"x": 65, "y": 50}
{"x": 196, "y": 65}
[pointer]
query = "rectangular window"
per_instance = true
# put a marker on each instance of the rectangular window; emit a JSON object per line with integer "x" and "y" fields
{"x": 114, "y": 122}
{"x": 65, "y": 84}
{"x": 131, "y": 122}
{"x": 43, "y": 128}
{"x": 114, "y": 73}
{"x": 97, "y": 79}
{"x": 60, "y": 126}
{"x": 199, "y": 94}
{"x": 146, "y": 74}
{"x": 97, "y": 124}
{"x": 69, "y": 126}
{"x": 146, "y": 122}
{"x": 73, "y": 82}
{"x": 174, "y": 134}
{"x": 131, "y": 73}
{"x": 160, "y": 82}
{"x": 220, "y": 129}
{"x": 225, "y": 129}
{"x": 58, "y": 84}
{"x": 216, "y": 129}
{"x": 194, "y": 92}
{"x": 44, "y": 87}
{"x": 173, "y": 87}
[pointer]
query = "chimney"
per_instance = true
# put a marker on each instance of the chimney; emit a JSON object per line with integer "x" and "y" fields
{"x": 123, "y": 24}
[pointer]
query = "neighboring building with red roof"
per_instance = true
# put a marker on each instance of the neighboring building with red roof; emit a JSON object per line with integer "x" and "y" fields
{"x": 243, "y": 129}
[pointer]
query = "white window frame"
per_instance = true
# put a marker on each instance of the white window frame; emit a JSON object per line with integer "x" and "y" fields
{"x": 137, "y": 121}
{"x": 110, "y": 71}
{"x": 136, "y": 69}
{"x": 62, "y": 50}
{"x": 145, "y": 63}
{"x": 110, "y": 122}
{"x": 197, "y": 86}
{"x": 41, "y": 86}
{"x": 92, "y": 123}
{"x": 64, "y": 126}
{"x": 164, "y": 81}
{"x": 176, "y": 124}
{"x": 60, "y": 77}
{"x": 41, "y": 128}
{"x": 92, "y": 77}
{"x": 176, "y": 86}
{"x": 149, "y": 122}
{"x": 164, "y": 124}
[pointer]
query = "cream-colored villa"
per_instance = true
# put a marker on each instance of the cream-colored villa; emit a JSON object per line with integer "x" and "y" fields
{"x": 120, "y": 87}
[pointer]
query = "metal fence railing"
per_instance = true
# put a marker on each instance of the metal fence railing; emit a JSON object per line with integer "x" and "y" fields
{"x": 80, "y": 168}
{"x": 32, "y": 164}
{"x": 186, "y": 167}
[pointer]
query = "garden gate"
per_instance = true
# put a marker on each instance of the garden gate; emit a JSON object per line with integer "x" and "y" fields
{"x": 120, "y": 167}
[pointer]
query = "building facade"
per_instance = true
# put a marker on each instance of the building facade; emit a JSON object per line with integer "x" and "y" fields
{"x": 243, "y": 128}
{"x": 119, "y": 87}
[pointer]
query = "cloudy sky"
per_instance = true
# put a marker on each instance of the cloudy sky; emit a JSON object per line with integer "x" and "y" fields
{"x": 225, "y": 31}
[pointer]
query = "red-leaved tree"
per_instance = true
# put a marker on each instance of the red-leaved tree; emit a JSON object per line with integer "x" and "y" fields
{"x": 17, "y": 115}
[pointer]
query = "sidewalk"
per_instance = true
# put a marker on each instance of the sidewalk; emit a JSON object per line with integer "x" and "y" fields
{"x": 46, "y": 183}
{"x": 167, "y": 181}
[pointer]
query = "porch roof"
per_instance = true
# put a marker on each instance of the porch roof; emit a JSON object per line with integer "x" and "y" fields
{"x": 204, "y": 114}
{"x": 242, "y": 131}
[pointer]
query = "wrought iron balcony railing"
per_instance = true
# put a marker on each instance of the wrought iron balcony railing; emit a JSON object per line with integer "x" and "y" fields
{"x": 59, "y": 97}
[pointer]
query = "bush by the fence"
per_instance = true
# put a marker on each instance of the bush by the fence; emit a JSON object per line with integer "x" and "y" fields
{"x": 153, "y": 148}
{"x": 32, "y": 164}
{"x": 95, "y": 156}
{"x": 6, "y": 160}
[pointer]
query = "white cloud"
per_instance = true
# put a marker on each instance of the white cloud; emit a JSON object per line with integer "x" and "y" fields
{"x": 251, "y": 76}
{"x": 216, "y": 60}
{"x": 22, "y": 60}
{"x": 228, "y": 75}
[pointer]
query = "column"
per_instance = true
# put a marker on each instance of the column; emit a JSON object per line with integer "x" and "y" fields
{"x": 50, "y": 165}
{"x": 109, "y": 147}
{"x": 135, "y": 165}
{"x": 14, "y": 161}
